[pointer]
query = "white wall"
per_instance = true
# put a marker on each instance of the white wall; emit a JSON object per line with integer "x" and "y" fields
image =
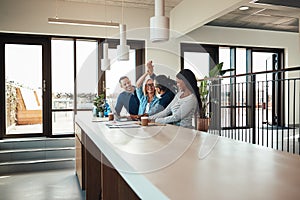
{"x": 31, "y": 16}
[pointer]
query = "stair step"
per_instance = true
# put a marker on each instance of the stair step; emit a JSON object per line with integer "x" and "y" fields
{"x": 37, "y": 165}
{"x": 34, "y": 150}
{"x": 22, "y": 143}
{"x": 36, "y": 154}
{"x": 36, "y": 161}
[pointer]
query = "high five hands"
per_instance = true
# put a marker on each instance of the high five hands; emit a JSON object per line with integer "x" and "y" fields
{"x": 150, "y": 68}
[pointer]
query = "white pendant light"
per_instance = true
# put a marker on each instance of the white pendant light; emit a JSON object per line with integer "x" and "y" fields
{"x": 159, "y": 24}
{"x": 123, "y": 48}
{"x": 105, "y": 62}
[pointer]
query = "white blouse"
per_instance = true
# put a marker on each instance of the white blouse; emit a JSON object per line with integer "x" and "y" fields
{"x": 180, "y": 111}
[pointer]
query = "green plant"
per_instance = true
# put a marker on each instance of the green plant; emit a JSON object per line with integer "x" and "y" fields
{"x": 204, "y": 89}
{"x": 99, "y": 102}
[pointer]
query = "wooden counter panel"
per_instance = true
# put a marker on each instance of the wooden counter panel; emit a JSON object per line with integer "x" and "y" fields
{"x": 114, "y": 186}
{"x": 80, "y": 159}
{"x": 92, "y": 176}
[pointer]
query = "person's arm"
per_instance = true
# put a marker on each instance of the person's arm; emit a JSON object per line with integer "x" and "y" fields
{"x": 119, "y": 104}
{"x": 181, "y": 112}
{"x": 162, "y": 103}
{"x": 140, "y": 81}
{"x": 165, "y": 112}
{"x": 139, "y": 93}
{"x": 155, "y": 109}
{"x": 150, "y": 70}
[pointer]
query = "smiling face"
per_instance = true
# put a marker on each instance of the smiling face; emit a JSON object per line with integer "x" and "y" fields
{"x": 125, "y": 83}
{"x": 149, "y": 87}
{"x": 180, "y": 84}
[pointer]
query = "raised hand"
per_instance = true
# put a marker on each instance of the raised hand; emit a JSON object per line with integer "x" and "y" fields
{"x": 150, "y": 68}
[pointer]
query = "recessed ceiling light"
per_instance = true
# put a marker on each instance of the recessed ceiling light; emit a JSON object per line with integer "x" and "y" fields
{"x": 244, "y": 8}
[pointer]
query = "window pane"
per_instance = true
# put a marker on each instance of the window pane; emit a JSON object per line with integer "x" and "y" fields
{"x": 241, "y": 61}
{"x": 197, "y": 62}
{"x": 87, "y": 68}
{"x": 23, "y": 81}
{"x": 62, "y": 74}
{"x": 224, "y": 56}
{"x": 62, "y": 86}
{"x": 263, "y": 61}
{"x": 62, "y": 122}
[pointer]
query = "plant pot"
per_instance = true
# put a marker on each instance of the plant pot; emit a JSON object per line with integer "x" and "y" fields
{"x": 203, "y": 124}
{"x": 95, "y": 112}
{"x": 100, "y": 114}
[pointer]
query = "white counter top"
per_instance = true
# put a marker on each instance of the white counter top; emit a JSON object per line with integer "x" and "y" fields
{"x": 162, "y": 162}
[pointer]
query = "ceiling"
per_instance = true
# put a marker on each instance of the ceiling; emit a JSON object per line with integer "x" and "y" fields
{"x": 276, "y": 15}
{"x": 147, "y": 4}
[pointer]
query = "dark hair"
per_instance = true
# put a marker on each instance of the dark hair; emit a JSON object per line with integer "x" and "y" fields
{"x": 188, "y": 77}
{"x": 164, "y": 83}
{"x": 122, "y": 77}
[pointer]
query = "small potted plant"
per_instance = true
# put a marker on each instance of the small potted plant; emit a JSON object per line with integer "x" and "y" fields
{"x": 100, "y": 105}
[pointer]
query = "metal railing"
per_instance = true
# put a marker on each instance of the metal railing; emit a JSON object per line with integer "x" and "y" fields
{"x": 261, "y": 108}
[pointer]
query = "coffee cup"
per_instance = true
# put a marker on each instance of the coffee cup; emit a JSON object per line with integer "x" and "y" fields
{"x": 110, "y": 116}
{"x": 144, "y": 121}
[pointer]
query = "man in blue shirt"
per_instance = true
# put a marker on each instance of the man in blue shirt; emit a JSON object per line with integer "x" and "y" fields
{"x": 128, "y": 98}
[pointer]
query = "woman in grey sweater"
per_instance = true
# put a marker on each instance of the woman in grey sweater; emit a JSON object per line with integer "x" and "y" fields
{"x": 184, "y": 105}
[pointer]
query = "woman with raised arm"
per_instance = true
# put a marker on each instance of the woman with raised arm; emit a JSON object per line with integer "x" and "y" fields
{"x": 146, "y": 94}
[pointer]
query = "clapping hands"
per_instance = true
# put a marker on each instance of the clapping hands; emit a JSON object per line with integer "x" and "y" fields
{"x": 150, "y": 68}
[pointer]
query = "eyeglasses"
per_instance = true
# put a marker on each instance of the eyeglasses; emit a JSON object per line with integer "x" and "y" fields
{"x": 150, "y": 85}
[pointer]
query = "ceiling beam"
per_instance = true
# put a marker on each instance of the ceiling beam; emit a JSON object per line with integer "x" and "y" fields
{"x": 192, "y": 14}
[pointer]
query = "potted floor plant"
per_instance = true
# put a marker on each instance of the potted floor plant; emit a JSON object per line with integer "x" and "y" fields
{"x": 204, "y": 88}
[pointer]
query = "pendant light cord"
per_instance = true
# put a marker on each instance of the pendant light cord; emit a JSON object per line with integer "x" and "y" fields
{"x": 56, "y": 10}
{"x": 122, "y": 11}
{"x": 105, "y": 18}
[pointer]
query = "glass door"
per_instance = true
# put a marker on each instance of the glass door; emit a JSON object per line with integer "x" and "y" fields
{"x": 23, "y": 67}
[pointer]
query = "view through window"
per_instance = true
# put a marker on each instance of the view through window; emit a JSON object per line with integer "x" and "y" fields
{"x": 23, "y": 81}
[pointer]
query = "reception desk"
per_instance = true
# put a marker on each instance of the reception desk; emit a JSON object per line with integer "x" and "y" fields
{"x": 170, "y": 162}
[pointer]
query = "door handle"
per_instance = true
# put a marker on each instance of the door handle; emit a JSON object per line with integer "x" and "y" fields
{"x": 44, "y": 85}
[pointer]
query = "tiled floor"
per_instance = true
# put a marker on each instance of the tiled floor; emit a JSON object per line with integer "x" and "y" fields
{"x": 48, "y": 185}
